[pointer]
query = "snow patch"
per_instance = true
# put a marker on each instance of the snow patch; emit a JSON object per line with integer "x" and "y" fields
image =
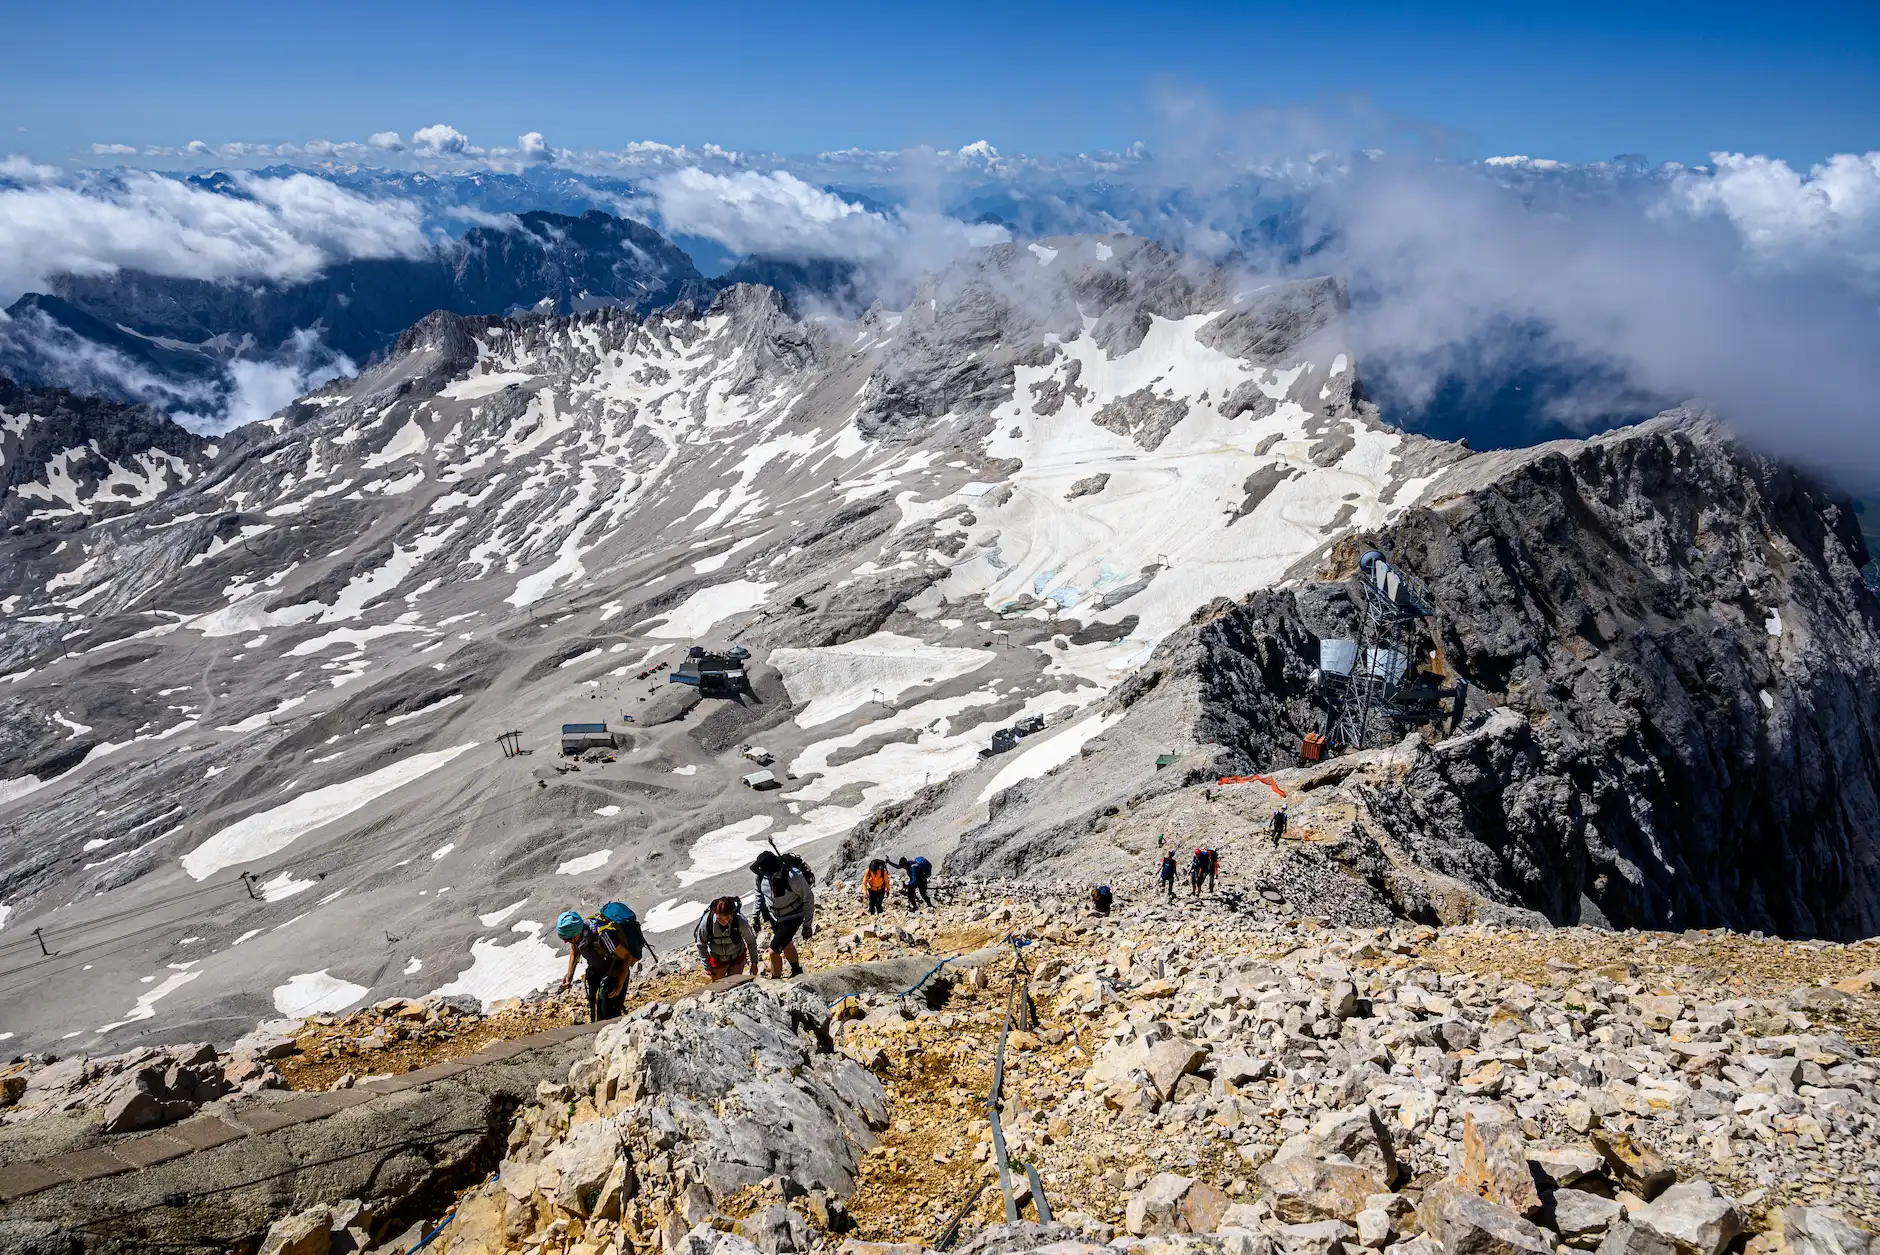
{"x": 284, "y": 886}
{"x": 1051, "y": 753}
{"x": 146, "y": 1007}
{"x": 672, "y": 914}
{"x": 725, "y": 849}
{"x": 496, "y": 917}
{"x": 586, "y": 863}
{"x": 254, "y": 723}
{"x": 497, "y": 971}
{"x": 273, "y": 830}
{"x": 482, "y": 385}
{"x": 836, "y": 679}
{"x": 694, "y": 616}
{"x": 439, "y": 704}
{"x": 316, "y": 993}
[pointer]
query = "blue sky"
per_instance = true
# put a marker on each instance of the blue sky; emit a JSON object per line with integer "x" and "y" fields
{"x": 1578, "y": 81}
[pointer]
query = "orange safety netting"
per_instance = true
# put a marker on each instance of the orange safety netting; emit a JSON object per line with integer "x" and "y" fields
{"x": 1268, "y": 781}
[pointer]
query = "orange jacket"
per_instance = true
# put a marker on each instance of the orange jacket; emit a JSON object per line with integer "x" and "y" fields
{"x": 875, "y": 880}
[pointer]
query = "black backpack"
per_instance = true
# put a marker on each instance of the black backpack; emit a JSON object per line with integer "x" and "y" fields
{"x": 796, "y": 861}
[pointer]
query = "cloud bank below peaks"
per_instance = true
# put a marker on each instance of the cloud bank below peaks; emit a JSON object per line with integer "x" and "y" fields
{"x": 1744, "y": 287}
{"x": 270, "y": 228}
{"x": 779, "y": 215}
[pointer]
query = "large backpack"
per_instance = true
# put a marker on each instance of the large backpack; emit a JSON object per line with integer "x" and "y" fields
{"x": 919, "y": 870}
{"x": 796, "y": 861}
{"x": 626, "y": 925}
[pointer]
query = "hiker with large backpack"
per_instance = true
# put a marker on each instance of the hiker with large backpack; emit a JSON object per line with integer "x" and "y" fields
{"x": 1213, "y": 867}
{"x": 875, "y": 881}
{"x": 919, "y": 872}
{"x": 726, "y": 941}
{"x": 786, "y": 900}
{"x": 1167, "y": 875}
{"x": 1197, "y": 870}
{"x": 611, "y": 943}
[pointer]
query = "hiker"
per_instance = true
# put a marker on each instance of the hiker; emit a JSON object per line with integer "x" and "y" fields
{"x": 876, "y": 882}
{"x": 919, "y": 872}
{"x": 786, "y": 899}
{"x": 1168, "y": 876}
{"x": 1100, "y": 899}
{"x": 608, "y": 962}
{"x": 1197, "y": 870}
{"x": 1279, "y": 824}
{"x": 726, "y": 941}
{"x": 1213, "y": 868}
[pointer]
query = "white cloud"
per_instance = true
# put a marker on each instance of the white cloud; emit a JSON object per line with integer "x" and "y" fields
{"x": 259, "y": 389}
{"x": 87, "y": 367}
{"x": 534, "y": 148}
{"x": 386, "y": 141}
{"x": 114, "y": 150}
{"x": 1786, "y": 218}
{"x": 1455, "y": 274}
{"x": 482, "y": 217}
{"x": 440, "y": 140}
{"x": 284, "y": 229}
{"x": 774, "y": 213}
{"x": 22, "y": 170}
{"x": 196, "y": 148}
{"x": 247, "y": 390}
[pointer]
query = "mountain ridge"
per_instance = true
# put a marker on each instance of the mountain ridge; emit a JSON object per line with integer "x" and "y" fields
{"x": 1009, "y": 504}
{"x": 172, "y": 340}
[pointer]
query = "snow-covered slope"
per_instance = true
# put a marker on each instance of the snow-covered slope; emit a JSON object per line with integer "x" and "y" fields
{"x": 926, "y": 525}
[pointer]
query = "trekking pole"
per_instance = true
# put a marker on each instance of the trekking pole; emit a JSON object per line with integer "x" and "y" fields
{"x": 42, "y": 943}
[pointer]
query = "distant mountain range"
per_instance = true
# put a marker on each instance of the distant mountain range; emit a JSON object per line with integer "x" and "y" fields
{"x": 140, "y": 337}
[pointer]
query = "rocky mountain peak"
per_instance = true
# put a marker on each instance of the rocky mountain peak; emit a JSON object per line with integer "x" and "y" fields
{"x": 965, "y": 551}
{"x": 68, "y": 460}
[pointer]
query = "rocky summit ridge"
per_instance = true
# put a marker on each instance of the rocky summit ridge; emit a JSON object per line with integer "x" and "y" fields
{"x": 251, "y": 762}
{"x": 1195, "y": 1079}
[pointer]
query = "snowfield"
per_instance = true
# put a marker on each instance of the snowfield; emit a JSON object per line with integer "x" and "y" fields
{"x": 273, "y": 830}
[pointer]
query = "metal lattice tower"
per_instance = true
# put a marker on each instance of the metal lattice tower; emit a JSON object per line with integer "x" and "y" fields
{"x": 1369, "y": 681}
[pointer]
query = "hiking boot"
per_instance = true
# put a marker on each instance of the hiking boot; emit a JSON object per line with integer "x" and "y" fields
{"x": 796, "y": 969}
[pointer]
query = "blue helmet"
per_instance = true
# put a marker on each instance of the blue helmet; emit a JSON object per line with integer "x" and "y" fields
{"x": 569, "y": 925}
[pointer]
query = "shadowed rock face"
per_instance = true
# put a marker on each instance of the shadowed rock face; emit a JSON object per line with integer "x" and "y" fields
{"x": 1675, "y": 715}
{"x": 113, "y": 456}
{"x": 1684, "y": 627}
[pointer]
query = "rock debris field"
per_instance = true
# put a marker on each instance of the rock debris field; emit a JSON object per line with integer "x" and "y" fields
{"x": 1197, "y": 1080}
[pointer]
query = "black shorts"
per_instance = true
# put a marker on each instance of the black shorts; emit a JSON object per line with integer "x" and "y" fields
{"x": 782, "y": 933}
